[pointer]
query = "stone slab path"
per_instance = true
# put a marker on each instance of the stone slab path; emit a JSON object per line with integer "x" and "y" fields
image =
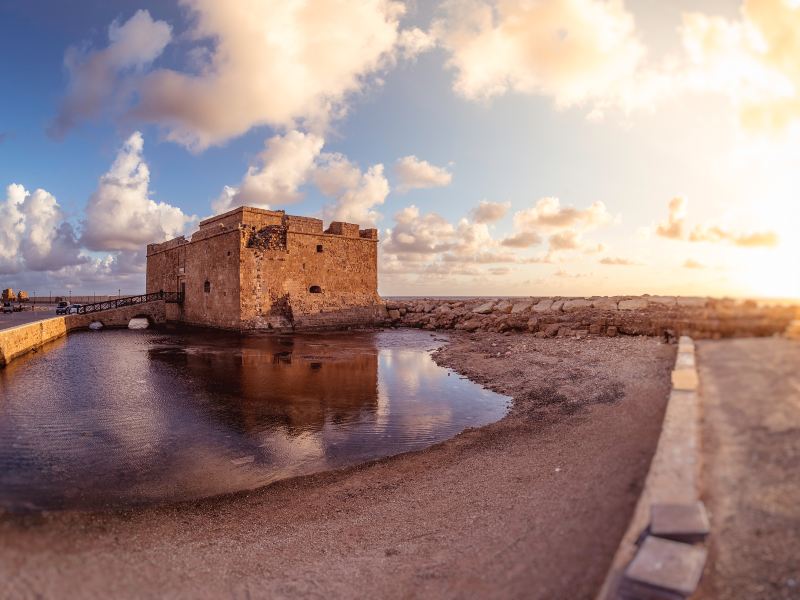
{"x": 751, "y": 444}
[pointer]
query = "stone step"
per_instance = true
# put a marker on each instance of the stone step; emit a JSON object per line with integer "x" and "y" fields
{"x": 663, "y": 569}
{"x": 679, "y": 522}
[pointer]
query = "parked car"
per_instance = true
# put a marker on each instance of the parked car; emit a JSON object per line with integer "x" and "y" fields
{"x": 61, "y": 308}
{"x": 72, "y": 309}
{"x": 7, "y": 308}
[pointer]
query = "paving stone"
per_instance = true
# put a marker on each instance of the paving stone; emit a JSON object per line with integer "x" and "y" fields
{"x": 663, "y": 569}
{"x": 679, "y": 522}
{"x": 685, "y": 379}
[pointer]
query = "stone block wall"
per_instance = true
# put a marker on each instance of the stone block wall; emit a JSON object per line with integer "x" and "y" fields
{"x": 607, "y": 316}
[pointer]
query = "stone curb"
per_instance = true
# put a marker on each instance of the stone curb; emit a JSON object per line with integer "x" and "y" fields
{"x": 672, "y": 480}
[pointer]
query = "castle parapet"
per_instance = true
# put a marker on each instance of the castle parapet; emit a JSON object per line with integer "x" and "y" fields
{"x": 168, "y": 245}
{"x": 343, "y": 229}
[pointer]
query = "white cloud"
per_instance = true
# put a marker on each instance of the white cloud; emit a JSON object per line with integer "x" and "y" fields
{"x": 489, "y": 212}
{"x": 571, "y": 50}
{"x": 356, "y": 193}
{"x": 95, "y": 77}
{"x": 277, "y": 63}
{"x": 120, "y": 214}
{"x": 414, "y": 173}
{"x": 754, "y": 60}
{"x": 675, "y": 228}
{"x": 283, "y": 166}
{"x": 33, "y": 233}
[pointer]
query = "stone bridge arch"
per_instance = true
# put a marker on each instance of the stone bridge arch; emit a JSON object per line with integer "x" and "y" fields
{"x": 154, "y": 312}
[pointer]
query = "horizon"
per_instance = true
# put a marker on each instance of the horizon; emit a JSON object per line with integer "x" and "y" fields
{"x": 602, "y": 149}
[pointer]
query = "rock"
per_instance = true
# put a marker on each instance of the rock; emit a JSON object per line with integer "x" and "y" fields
{"x": 552, "y": 330}
{"x": 521, "y": 307}
{"x": 484, "y": 309}
{"x": 605, "y": 304}
{"x": 533, "y": 324}
{"x": 581, "y": 333}
{"x": 394, "y": 314}
{"x": 95, "y": 326}
{"x": 543, "y": 306}
{"x": 577, "y": 304}
{"x": 663, "y": 300}
{"x": 471, "y": 325}
{"x": 611, "y": 331}
{"x": 503, "y": 306}
{"x": 595, "y": 329}
{"x": 392, "y": 305}
{"x": 403, "y": 311}
{"x": 557, "y": 305}
{"x": 634, "y": 304}
{"x": 692, "y": 302}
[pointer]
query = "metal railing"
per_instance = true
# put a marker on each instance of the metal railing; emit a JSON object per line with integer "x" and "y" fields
{"x": 175, "y": 297}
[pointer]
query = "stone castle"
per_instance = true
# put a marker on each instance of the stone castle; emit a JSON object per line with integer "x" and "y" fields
{"x": 254, "y": 269}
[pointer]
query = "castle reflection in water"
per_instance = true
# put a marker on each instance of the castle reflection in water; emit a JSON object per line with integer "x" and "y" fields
{"x": 120, "y": 417}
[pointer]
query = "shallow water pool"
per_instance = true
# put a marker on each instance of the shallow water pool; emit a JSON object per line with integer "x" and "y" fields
{"x": 113, "y": 418}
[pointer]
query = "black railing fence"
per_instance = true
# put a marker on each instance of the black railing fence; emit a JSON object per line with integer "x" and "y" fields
{"x": 175, "y": 297}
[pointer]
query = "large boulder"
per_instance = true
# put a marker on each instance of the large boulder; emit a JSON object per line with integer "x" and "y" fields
{"x": 484, "y": 309}
{"x": 504, "y": 306}
{"x": 576, "y": 304}
{"x": 605, "y": 304}
{"x": 544, "y": 305}
{"x": 521, "y": 307}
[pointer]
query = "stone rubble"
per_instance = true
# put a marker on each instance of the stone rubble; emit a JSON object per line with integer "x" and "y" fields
{"x": 666, "y": 316}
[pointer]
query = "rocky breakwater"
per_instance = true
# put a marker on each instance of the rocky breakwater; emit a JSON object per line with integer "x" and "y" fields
{"x": 668, "y": 316}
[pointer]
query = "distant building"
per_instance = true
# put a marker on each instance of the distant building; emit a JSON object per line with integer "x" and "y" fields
{"x": 8, "y": 295}
{"x": 22, "y": 296}
{"x": 254, "y": 269}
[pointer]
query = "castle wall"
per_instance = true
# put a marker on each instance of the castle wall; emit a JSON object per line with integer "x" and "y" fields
{"x": 316, "y": 279}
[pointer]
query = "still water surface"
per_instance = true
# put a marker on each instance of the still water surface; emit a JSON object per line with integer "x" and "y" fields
{"x": 114, "y": 418}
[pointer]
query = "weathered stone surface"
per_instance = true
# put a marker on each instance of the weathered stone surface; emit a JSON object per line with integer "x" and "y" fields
{"x": 552, "y": 330}
{"x": 691, "y": 302}
{"x": 557, "y": 306}
{"x": 685, "y": 379}
{"x": 663, "y": 300}
{"x": 687, "y": 522}
{"x": 605, "y": 304}
{"x": 635, "y": 304}
{"x": 543, "y": 305}
{"x": 484, "y": 309}
{"x": 504, "y": 306}
{"x": 394, "y": 314}
{"x": 577, "y": 304}
{"x": 521, "y": 307}
{"x": 664, "y": 565}
{"x": 611, "y": 331}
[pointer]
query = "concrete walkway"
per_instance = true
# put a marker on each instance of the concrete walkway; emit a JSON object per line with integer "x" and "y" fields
{"x": 751, "y": 444}
{"x": 27, "y": 316}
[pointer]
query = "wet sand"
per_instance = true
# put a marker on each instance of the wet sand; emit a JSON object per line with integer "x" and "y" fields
{"x": 532, "y": 506}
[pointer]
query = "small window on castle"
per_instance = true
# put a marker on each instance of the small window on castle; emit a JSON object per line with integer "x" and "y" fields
{"x": 319, "y": 247}
{"x": 207, "y": 287}
{"x": 315, "y": 289}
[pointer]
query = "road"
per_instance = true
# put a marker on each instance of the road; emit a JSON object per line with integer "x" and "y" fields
{"x": 751, "y": 444}
{"x": 19, "y": 318}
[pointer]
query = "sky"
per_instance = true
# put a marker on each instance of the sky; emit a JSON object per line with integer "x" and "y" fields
{"x": 539, "y": 147}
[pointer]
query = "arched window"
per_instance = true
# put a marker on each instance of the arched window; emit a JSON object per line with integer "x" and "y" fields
{"x": 207, "y": 287}
{"x": 315, "y": 289}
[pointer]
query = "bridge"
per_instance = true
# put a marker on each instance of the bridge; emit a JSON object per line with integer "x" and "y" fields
{"x": 119, "y": 312}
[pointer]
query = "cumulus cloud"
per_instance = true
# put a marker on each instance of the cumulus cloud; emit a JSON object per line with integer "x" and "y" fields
{"x": 272, "y": 63}
{"x": 356, "y": 194}
{"x": 285, "y": 164}
{"x": 755, "y": 60}
{"x": 565, "y": 225}
{"x": 489, "y": 212}
{"x": 617, "y": 261}
{"x": 95, "y": 77}
{"x": 413, "y": 173}
{"x": 675, "y": 228}
{"x": 693, "y": 264}
{"x": 120, "y": 214}
{"x": 33, "y": 233}
{"x": 571, "y": 50}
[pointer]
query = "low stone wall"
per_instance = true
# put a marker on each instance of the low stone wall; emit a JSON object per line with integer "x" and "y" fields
{"x": 608, "y": 316}
{"x": 16, "y": 341}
